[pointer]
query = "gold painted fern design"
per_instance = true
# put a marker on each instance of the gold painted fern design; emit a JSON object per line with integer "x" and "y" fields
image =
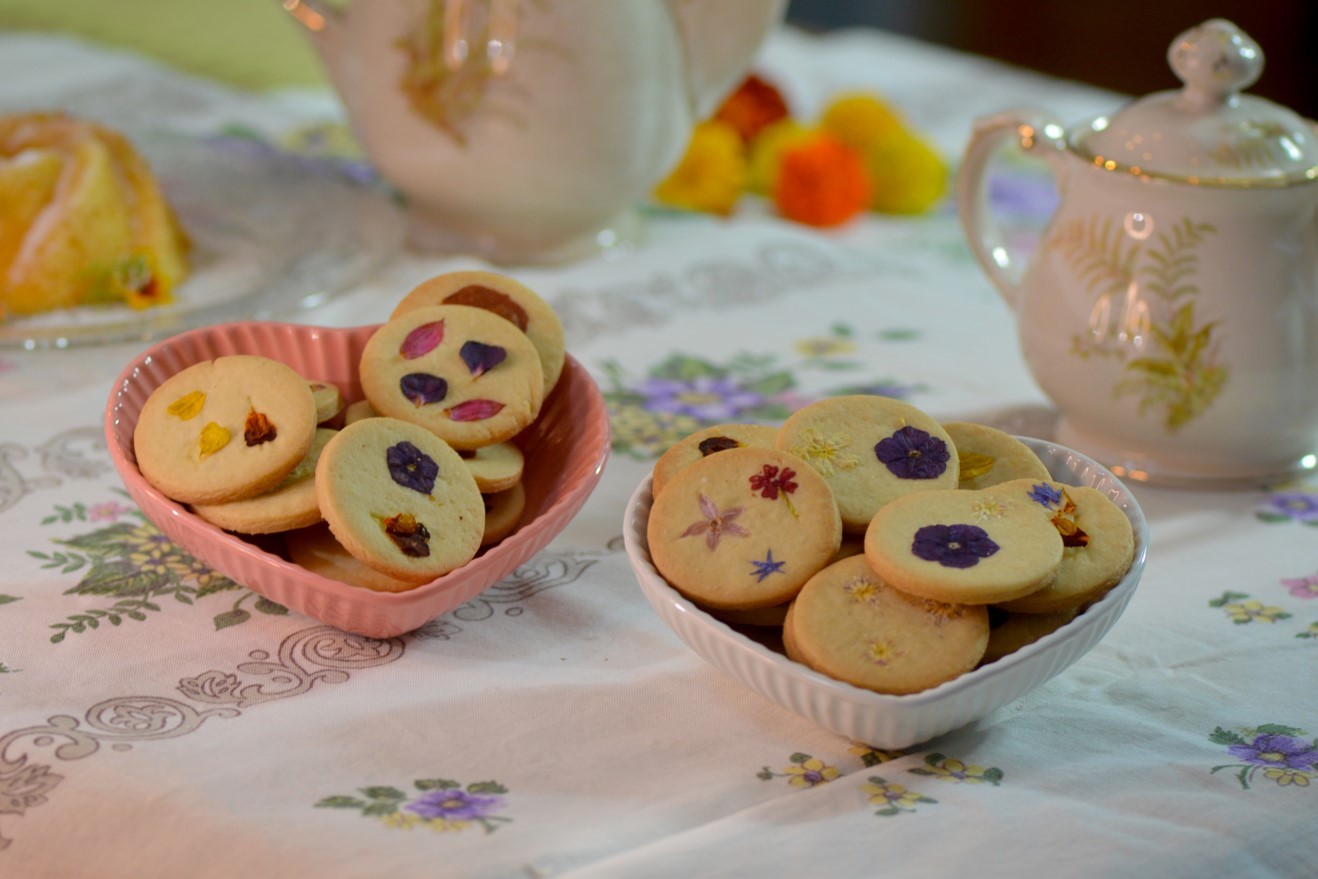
{"x": 1144, "y": 295}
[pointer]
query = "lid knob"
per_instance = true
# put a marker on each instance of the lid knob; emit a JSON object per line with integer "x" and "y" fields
{"x": 1216, "y": 60}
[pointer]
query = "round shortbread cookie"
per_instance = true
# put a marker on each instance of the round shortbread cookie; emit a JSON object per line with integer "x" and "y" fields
{"x": 759, "y": 617}
{"x": 463, "y": 373}
{"x": 850, "y": 625}
{"x": 503, "y": 513}
{"x": 329, "y": 403}
{"x": 496, "y": 467}
{"x": 1097, "y": 539}
{"x": 400, "y": 499}
{"x": 510, "y": 300}
{"x": 357, "y": 411}
{"x": 744, "y": 528}
{"x": 705, "y": 442}
{"x": 315, "y": 549}
{"x": 1009, "y": 632}
{"x": 964, "y": 547}
{"x": 870, "y": 450}
{"x": 290, "y": 504}
{"x": 224, "y": 429}
{"x": 989, "y": 456}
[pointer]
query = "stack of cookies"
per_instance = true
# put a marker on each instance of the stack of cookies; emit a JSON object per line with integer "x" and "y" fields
{"x": 387, "y": 492}
{"x": 888, "y": 550}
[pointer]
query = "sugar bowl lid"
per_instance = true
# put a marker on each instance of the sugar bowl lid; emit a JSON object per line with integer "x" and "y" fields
{"x": 1207, "y": 133}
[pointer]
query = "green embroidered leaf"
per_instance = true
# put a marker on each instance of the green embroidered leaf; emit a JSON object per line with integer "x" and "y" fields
{"x": 266, "y": 606}
{"x": 773, "y": 383}
{"x": 764, "y": 774}
{"x": 384, "y": 793}
{"x": 843, "y": 330}
{"x": 684, "y": 368}
{"x": 920, "y": 770}
{"x": 993, "y": 775}
{"x": 898, "y": 335}
{"x": 486, "y": 787}
{"x": 381, "y": 807}
{"x": 838, "y": 365}
{"x": 436, "y": 784}
{"x": 1222, "y": 736}
{"x": 799, "y": 758}
{"x": 231, "y": 618}
{"x": 934, "y": 759}
{"x": 340, "y": 802}
{"x": 1227, "y": 598}
{"x": 9, "y": 599}
{"x": 1276, "y": 729}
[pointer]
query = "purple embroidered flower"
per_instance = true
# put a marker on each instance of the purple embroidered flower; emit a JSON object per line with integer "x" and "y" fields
{"x": 1290, "y": 505}
{"x": 411, "y": 468}
{"x": 454, "y": 804}
{"x": 910, "y": 453}
{"x": 708, "y": 398}
{"x": 481, "y": 358}
{"x": 1045, "y": 495}
{"x": 1277, "y": 750}
{"x": 953, "y": 546}
{"x": 422, "y": 388}
{"x": 1302, "y": 587}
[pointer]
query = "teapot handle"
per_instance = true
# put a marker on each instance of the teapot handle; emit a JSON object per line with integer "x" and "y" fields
{"x": 1032, "y": 132}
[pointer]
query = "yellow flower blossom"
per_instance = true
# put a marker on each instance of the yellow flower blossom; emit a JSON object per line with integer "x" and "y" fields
{"x": 1253, "y": 610}
{"x": 907, "y": 175}
{"x": 952, "y": 769}
{"x": 767, "y": 150}
{"x": 809, "y": 773}
{"x": 892, "y": 796}
{"x": 825, "y": 452}
{"x": 860, "y": 119}
{"x": 824, "y": 346}
{"x": 1285, "y": 775}
{"x": 711, "y": 175}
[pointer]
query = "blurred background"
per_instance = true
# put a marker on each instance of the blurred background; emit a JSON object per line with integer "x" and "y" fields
{"x": 1118, "y": 44}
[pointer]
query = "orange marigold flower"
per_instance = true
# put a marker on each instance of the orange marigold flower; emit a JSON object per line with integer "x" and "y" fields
{"x": 755, "y": 104}
{"x": 821, "y": 182}
{"x": 712, "y": 174}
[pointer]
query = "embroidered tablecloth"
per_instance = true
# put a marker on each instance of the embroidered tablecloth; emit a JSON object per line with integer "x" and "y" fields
{"x": 157, "y": 719}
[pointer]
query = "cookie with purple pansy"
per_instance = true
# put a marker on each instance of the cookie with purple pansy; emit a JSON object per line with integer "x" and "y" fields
{"x": 744, "y": 528}
{"x": 964, "y": 546}
{"x": 465, "y": 374}
{"x": 399, "y": 499}
{"x": 870, "y": 450}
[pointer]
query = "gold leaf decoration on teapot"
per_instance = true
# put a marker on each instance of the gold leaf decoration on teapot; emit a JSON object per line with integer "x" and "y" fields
{"x": 1144, "y": 288}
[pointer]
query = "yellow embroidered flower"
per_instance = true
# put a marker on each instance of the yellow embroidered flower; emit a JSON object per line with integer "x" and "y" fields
{"x": 1253, "y": 610}
{"x": 860, "y": 119}
{"x": 824, "y": 346}
{"x": 809, "y": 773}
{"x": 892, "y": 795}
{"x": 442, "y": 825}
{"x": 401, "y": 820}
{"x": 954, "y": 770}
{"x": 712, "y": 173}
{"x": 825, "y": 451}
{"x": 907, "y": 175}
{"x": 1285, "y": 775}
{"x": 648, "y": 433}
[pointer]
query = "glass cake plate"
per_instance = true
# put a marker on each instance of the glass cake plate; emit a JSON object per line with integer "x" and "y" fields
{"x": 270, "y": 233}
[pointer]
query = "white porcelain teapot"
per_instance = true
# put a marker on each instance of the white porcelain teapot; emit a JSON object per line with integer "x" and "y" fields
{"x": 519, "y": 130}
{"x": 1170, "y": 309}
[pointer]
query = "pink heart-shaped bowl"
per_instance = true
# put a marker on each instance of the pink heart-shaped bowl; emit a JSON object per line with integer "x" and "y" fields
{"x": 565, "y": 451}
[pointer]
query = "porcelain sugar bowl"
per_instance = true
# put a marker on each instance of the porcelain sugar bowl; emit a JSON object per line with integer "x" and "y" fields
{"x": 1170, "y": 309}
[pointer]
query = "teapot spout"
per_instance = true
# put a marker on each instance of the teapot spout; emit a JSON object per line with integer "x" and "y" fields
{"x": 721, "y": 38}
{"x": 323, "y": 28}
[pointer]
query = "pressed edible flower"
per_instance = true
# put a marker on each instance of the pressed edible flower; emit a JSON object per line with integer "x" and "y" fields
{"x": 711, "y": 444}
{"x": 410, "y": 536}
{"x": 770, "y": 479}
{"x": 213, "y": 438}
{"x": 411, "y": 468}
{"x": 715, "y": 524}
{"x": 911, "y": 453}
{"x": 187, "y": 406}
{"x": 860, "y": 120}
{"x": 953, "y": 546}
{"x": 258, "y": 428}
{"x": 422, "y": 340}
{"x": 711, "y": 175}
{"x": 475, "y": 410}
{"x": 422, "y": 388}
{"x": 973, "y": 465}
{"x": 821, "y": 182}
{"x": 481, "y": 358}
{"x": 480, "y": 296}
{"x": 755, "y": 104}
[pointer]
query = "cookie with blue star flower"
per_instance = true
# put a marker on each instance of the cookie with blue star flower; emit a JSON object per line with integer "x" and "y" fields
{"x": 743, "y": 529}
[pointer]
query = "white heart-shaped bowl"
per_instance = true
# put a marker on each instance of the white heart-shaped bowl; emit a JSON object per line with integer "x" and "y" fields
{"x": 876, "y": 719}
{"x": 565, "y": 449}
